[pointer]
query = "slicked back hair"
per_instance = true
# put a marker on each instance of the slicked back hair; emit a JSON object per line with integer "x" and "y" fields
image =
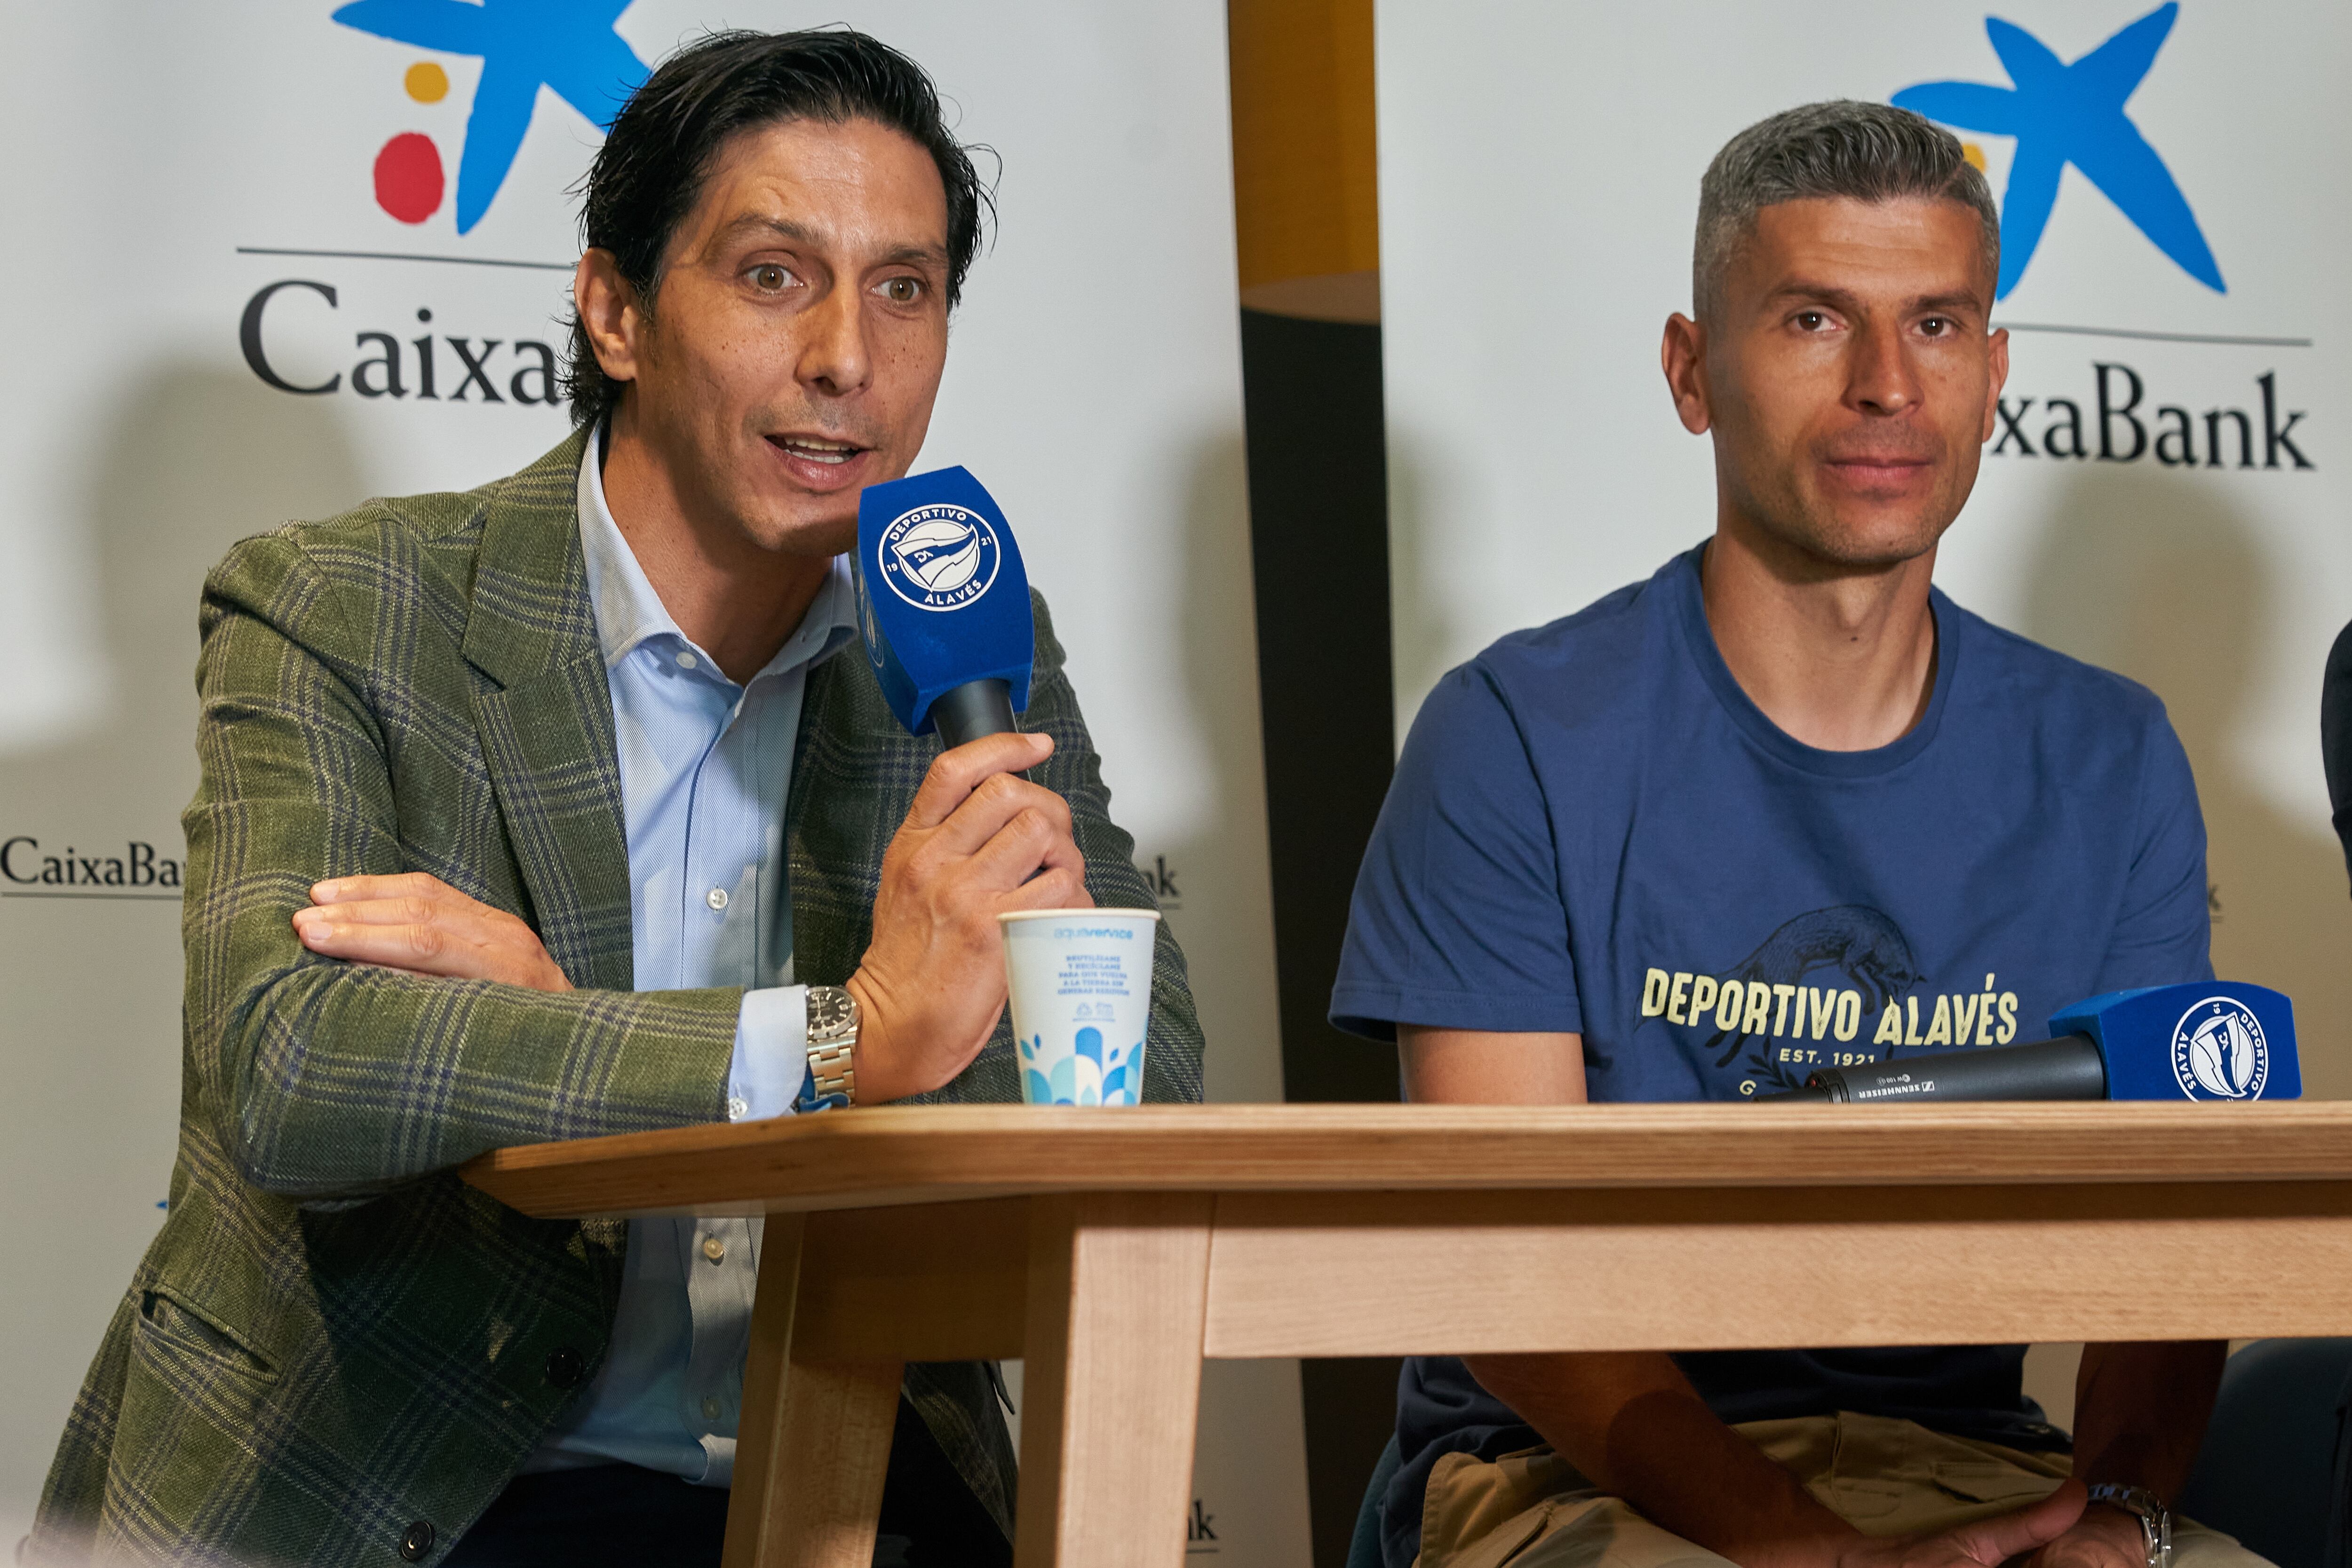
{"x": 651, "y": 169}
{"x": 1865, "y": 151}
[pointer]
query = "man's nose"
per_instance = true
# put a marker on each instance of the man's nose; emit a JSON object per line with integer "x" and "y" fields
{"x": 834, "y": 357}
{"x": 1879, "y": 379}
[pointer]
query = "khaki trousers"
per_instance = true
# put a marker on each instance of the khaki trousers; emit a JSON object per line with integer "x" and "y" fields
{"x": 1532, "y": 1510}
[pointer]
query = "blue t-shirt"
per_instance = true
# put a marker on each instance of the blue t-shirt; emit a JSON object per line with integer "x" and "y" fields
{"x": 1593, "y": 829}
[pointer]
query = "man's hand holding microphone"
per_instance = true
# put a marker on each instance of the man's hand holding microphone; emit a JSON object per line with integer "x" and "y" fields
{"x": 979, "y": 841}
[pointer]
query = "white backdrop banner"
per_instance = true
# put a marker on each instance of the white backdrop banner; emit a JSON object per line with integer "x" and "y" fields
{"x": 269, "y": 263}
{"x": 2167, "y": 491}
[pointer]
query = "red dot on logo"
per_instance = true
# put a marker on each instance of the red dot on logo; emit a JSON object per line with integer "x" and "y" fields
{"x": 408, "y": 177}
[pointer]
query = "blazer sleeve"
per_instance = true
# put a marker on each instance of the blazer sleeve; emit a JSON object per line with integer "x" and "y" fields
{"x": 331, "y": 1081}
{"x": 1172, "y": 1048}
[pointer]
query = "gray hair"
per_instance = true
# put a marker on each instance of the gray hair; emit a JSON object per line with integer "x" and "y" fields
{"x": 1866, "y": 151}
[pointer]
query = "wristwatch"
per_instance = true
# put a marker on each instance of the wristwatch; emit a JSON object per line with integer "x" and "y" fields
{"x": 2155, "y": 1518}
{"x": 832, "y": 1049}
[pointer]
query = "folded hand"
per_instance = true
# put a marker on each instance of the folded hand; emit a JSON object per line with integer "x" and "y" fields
{"x": 1989, "y": 1542}
{"x": 2104, "y": 1538}
{"x": 420, "y": 924}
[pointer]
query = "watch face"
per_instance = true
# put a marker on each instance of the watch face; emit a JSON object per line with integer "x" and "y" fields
{"x": 831, "y": 1010}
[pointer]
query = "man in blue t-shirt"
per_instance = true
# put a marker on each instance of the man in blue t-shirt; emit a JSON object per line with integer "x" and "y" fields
{"x": 1784, "y": 806}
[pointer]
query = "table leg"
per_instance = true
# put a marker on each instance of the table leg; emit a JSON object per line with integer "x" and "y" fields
{"x": 814, "y": 1439}
{"x": 1117, "y": 1302}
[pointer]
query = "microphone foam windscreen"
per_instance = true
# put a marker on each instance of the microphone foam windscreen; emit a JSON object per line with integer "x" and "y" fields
{"x": 2208, "y": 1040}
{"x": 943, "y": 599}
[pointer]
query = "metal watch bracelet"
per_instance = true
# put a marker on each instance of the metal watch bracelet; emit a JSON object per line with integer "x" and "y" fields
{"x": 2155, "y": 1517}
{"x": 832, "y": 1022}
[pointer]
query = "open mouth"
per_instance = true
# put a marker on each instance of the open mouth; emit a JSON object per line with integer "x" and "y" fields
{"x": 815, "y": 449}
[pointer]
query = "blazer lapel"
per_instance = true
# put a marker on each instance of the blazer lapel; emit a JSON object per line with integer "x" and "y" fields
{"x": 544, "y": 713}
{"x": 854, "y": 772}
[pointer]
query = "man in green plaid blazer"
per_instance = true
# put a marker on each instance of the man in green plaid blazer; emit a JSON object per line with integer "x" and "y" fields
{"x": 336, "y": 1351}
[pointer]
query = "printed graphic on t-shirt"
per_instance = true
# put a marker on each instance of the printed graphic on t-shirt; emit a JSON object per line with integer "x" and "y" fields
{"x": 1831, "y": 987}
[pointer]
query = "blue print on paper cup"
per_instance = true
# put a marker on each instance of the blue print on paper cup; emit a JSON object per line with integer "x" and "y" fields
{"x": 1081, "y": 984}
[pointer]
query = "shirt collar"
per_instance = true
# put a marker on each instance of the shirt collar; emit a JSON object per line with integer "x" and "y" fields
{"x": 629, "y": 612}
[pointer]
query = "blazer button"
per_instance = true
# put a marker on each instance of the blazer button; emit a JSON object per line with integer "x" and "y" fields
{"x": 564, "y": 1366}
{"x": 418, "y": 1543}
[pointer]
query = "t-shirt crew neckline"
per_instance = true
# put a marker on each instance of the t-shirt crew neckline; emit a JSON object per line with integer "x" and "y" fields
{"x": 1690, "y": 598}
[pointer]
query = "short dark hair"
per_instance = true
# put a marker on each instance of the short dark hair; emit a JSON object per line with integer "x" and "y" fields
{"x": 1868, "y": 151}
{"x": 650, "y": 171}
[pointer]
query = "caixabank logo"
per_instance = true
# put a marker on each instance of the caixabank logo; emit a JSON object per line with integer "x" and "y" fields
{"x": 2062, "y": 114}
{"x": 568, "y": 46}
{"x": 289, "y": 324}
{"x": 134, "y": 869}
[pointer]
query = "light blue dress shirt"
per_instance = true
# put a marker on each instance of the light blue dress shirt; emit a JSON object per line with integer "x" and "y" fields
{"x": 704, "y": 766}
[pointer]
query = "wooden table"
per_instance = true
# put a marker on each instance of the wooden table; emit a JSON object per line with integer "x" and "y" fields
{"x": 1115, "y": 1249}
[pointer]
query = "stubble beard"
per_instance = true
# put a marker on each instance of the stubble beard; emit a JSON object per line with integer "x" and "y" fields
{"x": 1807, "y": 528}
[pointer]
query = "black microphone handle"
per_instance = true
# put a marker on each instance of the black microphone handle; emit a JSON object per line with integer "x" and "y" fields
{"x": 973, "y": 709}
{"x": 2067, "y": 1067}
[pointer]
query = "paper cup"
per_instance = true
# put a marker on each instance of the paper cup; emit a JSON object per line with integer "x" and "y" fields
{"x": 1081, "y": 984}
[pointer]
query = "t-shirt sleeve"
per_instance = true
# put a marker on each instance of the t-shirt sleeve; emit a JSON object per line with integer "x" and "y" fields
{"x": 2164, "y": 932}
{"x": 1457, "y": 920}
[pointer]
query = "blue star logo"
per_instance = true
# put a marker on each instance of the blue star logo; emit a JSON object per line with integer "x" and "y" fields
{"x": 566, "y": 46}
{"x": 2064, "y": 114}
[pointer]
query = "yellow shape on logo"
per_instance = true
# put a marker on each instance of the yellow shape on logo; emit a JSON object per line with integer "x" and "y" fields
{"x": 1968, "y": 149}
{"x": 428, "y": 83}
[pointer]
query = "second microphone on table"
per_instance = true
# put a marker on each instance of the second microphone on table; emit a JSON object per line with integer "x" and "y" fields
{"x": 2205, "y": 1041}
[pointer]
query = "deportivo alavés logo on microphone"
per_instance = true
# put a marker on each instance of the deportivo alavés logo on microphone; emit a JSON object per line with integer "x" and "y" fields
{"x": 939, "y": 557}
{"x": 2219, "y": 1052}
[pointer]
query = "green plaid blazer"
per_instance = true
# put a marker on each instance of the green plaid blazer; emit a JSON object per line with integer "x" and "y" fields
{"x": 333, "y": 1339}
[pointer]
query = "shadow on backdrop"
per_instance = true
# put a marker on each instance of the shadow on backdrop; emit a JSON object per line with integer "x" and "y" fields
{"x": 2163, "y": 580}
{"x": 189, "y": 460}
{"x": 1221, "y": 865}
{"x": 1427, "y": 629}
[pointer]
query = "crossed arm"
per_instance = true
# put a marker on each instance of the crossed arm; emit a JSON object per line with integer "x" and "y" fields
{"x": 1633, "y": 1423}
{"x": 978, "y": 840}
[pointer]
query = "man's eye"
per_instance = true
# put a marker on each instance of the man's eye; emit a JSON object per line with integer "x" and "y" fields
{"x": 1812, "y": 320}
{"x": 902, "y": 291}
{"x": 771, "y": 277}
{"x": 1938, "y": 326}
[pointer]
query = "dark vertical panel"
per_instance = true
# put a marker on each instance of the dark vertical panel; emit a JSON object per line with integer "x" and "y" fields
{"x": 1319, "y": 545}
{"x": 1318, "y": 525}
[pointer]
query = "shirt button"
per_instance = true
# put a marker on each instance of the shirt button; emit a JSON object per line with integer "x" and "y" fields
{"x": 714, "y": 1249}
{"x": 564, "y": 1366}
{"x": 737, "y": 1108}
{"x": 686, "y": 660}
{"x": 716, "y": 898}
{"x": 711, "y": 1407}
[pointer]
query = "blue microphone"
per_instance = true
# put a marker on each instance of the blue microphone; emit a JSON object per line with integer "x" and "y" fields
{"x": 2208, "y": 1040}
{"x": 943, "y": 604}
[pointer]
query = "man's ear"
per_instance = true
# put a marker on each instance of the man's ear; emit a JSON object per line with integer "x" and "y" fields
{"x": 1997, "y": 362}
{"x": 1683, "y": 356}
{"x": 610, "y": 313}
